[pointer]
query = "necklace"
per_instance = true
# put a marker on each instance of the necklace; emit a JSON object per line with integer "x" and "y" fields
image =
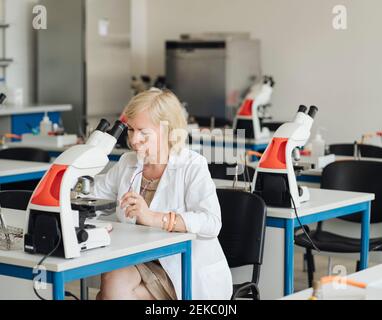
{"x": 143, "y": 192}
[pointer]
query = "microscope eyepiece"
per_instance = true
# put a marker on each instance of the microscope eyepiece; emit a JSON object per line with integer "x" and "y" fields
{"x": 117, "y": 129}
{"x": 272, "y": 81}
{"x": 302, "y": 108}
{"x": 2, "y": 98}
{"x": 103, "y": 125}
{"x": 312, "y": 111}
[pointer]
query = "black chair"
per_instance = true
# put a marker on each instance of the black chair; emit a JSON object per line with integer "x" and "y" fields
{"x": 347, "y": 149}
{"x": 212, "y": 121}
{"x": 353, "y": 175}
{"x": 15, "y": 199}
{"x": 223, "y": 170}
{"x": 23, "y": 154}
{"x": 370, "y": 151}
{"x": 242, "y": 236}
{"x": 342, "y": 149}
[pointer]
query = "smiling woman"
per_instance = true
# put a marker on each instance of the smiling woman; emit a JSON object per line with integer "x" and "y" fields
{"x": 165, "y": 185}
{"x": 156, "y": 114}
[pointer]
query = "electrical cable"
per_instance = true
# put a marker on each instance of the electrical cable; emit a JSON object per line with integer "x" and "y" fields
{"x": 235, "y": 177}
{"x": 302, "y": 227}
{"x": 246, "y": 175}
{"x": 42, "y": 260}
{"x": 67, "y": 293}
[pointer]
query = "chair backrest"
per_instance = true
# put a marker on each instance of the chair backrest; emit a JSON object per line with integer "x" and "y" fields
{"x": 217, "y": 122}
{"x": 358, "y": 176}
{"x": 221, "y": 170}
{"x": 25, "y": 154}
{"x": 347, "y": 149}
{"x": 342, "y": 149}
{"x": 243, "y": 227}
{"x": 370, "y": 151}
{"x": 15, "y": 199}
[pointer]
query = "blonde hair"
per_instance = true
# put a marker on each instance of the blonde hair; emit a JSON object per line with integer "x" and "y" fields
{"x": 163, "y": 106}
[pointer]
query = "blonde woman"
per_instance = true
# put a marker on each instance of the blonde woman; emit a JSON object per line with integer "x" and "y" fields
{"x": 165, "y": 185}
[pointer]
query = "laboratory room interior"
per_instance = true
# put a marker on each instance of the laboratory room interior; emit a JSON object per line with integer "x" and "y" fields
{"x": 190, "y": 150}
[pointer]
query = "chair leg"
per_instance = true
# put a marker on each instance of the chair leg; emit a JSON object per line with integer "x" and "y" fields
{"x": 330, "y": 266}
{"x": 84, "y": 290}
{"x": 310, "y": 264}
{"x": 255, "y": 292}
{"x": 358, "y": 266}
{"x": 304, "y": 267}
{"x": 247, "y": 290}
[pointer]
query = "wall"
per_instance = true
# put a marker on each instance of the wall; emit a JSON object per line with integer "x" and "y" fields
{"x": 138, "y": 37}
{"x": 108, "y": 59}
{"x": 339, "y": 71}
{"x": 20, "y": 46}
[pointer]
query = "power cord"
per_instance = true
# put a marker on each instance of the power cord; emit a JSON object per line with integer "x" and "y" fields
{"x": 247, "y": 177}
{"x": 67, "y": 293}
{"x": 302, "y": 227}
{"x": 245, "y": 174}
{"x": 235, "y": 178}
{"x": 42, "y": 260}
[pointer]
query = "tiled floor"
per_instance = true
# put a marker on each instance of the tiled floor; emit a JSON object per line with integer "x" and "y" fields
{"x": 300, "y": 283}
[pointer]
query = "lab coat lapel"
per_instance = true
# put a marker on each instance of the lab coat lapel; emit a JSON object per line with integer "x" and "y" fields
{"x": 164, "y": 196}
{"x": 137, "y": 176}
{"x": 160, "y": 200}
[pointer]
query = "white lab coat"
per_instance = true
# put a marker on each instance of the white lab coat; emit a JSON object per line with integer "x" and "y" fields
{"x": 186, "y": 188}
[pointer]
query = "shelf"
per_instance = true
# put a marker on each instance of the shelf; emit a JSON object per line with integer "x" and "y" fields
{"x": 5, "y": 62}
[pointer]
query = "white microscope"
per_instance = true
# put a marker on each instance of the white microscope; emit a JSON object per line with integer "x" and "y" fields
{"x": 275, "y": 178}
{"x": 248, "y": 116}
{"x": 57, "y": 221}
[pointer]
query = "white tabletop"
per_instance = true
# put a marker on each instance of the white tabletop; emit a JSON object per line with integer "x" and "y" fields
{"x": 320, "y": 200}
{"x": 333, "y": 292}
{"x": 14, "y": 167}
{"x": 126, "y": 239}
{"x": 7, "y": 110}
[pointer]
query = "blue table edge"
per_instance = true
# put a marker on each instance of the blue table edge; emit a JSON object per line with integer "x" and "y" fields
{"x": 59, "y": 278}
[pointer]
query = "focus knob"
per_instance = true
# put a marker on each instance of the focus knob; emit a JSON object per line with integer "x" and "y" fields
{"x": 82, "y": 236}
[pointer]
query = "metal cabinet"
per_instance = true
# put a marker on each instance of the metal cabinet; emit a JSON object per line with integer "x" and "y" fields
{"x": 212, "y": 75}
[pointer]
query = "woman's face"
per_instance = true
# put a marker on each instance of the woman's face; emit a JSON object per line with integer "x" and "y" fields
{"x": 146, "y": 138}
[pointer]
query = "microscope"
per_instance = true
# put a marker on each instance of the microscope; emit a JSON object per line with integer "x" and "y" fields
{"x": 249, "y": 115}
{"x": 275, "y": 177}
{"x": 56, "y": 221}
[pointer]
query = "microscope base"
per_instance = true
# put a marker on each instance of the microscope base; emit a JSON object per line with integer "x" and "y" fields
{"x": 98, "y": 237}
